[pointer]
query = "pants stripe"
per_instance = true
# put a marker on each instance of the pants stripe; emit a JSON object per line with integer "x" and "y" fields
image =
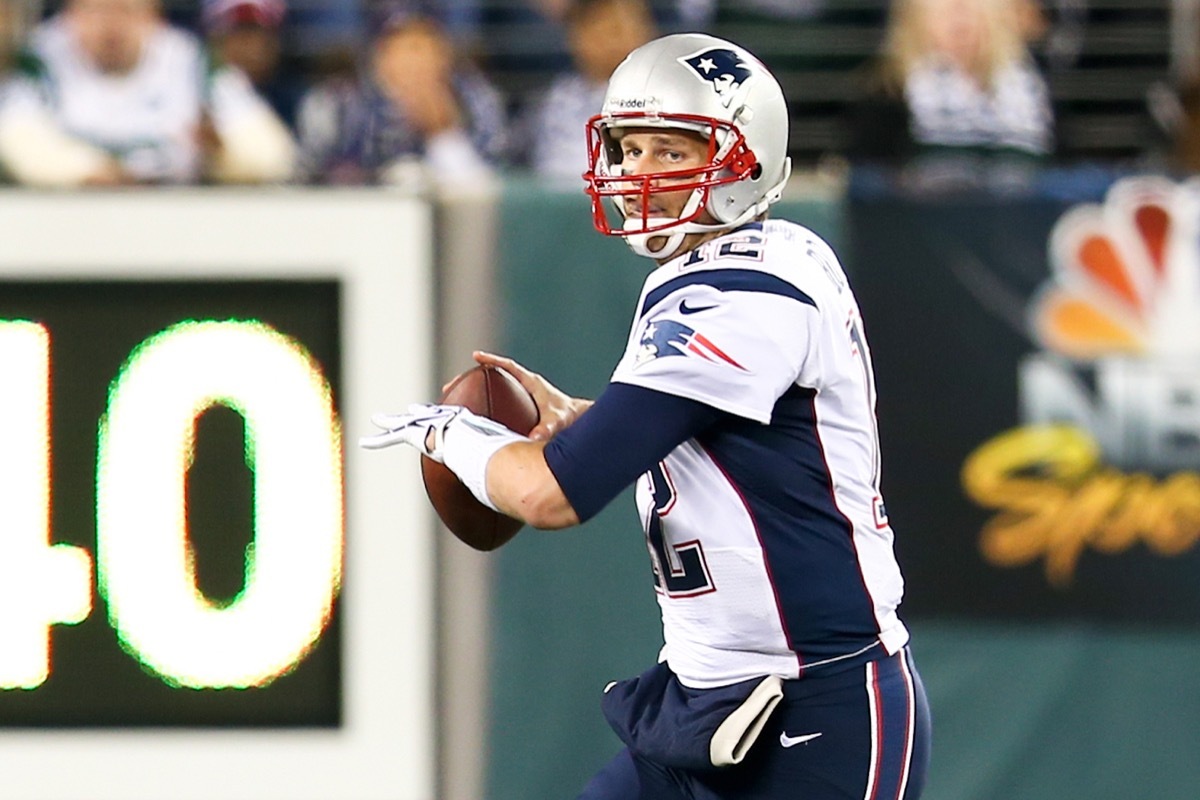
{"x": 892, "y": 702}
{"x": 910, "y": 723}
{"x": 873, "y": 704}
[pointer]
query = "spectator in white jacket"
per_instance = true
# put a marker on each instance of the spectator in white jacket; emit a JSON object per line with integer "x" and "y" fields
{"x": 118, "y": 96}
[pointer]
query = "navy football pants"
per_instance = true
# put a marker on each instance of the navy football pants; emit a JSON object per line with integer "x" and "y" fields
{"x": 872, "y": 743}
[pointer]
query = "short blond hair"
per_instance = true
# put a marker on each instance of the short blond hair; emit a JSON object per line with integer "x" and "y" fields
{"x": 907, "y": 40}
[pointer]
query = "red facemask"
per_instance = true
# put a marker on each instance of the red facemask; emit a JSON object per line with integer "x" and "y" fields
{"x": 731, "y": 163}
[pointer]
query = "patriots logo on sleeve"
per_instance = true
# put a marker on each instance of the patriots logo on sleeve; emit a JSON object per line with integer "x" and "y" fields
{"x": 723, "y": 69}
{"x": 665, "y": 338}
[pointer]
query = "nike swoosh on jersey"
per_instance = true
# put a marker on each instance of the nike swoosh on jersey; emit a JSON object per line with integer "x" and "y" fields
{"x": 792, "y": 741}
{"x": 684, "y": 308}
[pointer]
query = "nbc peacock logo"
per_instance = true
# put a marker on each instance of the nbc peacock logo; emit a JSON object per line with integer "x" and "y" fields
{"x": 1107, "y": 456}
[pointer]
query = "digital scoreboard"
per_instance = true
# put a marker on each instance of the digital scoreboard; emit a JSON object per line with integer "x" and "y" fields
{"x": 182, "y": 441}
{"x": 200, "y": 590}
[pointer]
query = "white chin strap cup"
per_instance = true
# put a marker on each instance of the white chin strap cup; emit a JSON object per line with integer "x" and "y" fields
{"x": 668, "y": 241}
{"x": 670, "y": 238}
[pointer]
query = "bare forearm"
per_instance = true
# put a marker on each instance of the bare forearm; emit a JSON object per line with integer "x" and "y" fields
{"x": 521, "y": 485}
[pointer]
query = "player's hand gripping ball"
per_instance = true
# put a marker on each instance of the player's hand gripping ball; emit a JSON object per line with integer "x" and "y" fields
{"x": 491, "y": 393}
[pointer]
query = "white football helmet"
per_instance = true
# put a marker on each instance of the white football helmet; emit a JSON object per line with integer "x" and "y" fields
{"x": 703, "y": 84}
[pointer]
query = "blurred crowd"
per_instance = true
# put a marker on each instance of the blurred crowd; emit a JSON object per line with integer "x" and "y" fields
{"x": 124, "y": 92}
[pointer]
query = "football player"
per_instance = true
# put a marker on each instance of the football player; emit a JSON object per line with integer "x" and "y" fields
{"x": 743, "y": 408}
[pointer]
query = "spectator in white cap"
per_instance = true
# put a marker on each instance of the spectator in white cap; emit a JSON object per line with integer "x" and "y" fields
{"x": 122, "y": 97}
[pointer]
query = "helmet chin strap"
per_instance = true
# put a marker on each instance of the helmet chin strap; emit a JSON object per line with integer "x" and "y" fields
{"x": 640, "y": 242}
{"x": 672, "y": 237}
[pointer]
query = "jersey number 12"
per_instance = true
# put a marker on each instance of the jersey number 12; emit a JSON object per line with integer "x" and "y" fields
{"x": 680, "y": 569}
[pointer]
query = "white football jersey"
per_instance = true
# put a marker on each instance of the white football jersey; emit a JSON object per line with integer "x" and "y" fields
{"x": 768, "y": 536}
{"x": 149, "y": 118}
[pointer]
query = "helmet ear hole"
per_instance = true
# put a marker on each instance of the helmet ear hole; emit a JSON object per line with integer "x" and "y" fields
{"x": 756, "y": 172}
{"x": 612, "y": 146}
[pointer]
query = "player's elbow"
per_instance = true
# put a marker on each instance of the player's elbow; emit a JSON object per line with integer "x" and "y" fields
{"x": 546, "y": 507}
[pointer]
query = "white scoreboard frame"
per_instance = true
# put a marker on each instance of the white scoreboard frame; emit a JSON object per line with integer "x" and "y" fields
{"x": 378, "y": 244}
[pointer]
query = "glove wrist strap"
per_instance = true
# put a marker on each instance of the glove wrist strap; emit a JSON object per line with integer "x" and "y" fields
{"x": 467, "y": 448}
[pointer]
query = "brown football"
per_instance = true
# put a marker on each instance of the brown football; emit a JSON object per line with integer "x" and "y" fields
{"x": 492, "y": 393}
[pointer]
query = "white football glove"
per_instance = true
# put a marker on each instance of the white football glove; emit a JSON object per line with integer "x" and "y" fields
{"x": 413, "y": 428}
{"x": 473, "y": 440}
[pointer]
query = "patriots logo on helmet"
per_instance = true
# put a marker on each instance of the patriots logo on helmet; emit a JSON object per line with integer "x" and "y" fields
{"x": 723, "y": 69}
{"x": 665, "y": 338}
